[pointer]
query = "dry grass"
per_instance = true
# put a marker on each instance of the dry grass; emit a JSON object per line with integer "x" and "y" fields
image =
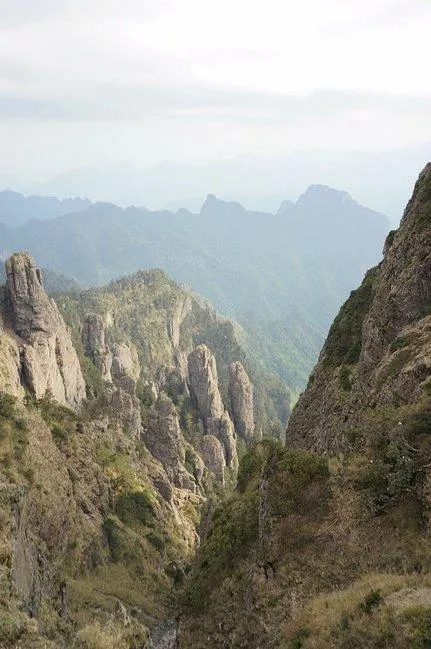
{"x": 342, "y": 617}
{"x": 96, "y": 636}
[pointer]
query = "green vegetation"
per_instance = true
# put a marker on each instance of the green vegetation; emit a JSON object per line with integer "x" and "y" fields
{"x": 345, "y": 378}
{"x": 7, "y": 406}
{"x": 61, "y": 420}
{"x": 145, "y": 309}
{"x": 398, "y": 343}
{"x": 344, "y": 341}
{"x": 380, "y": 618}
{"x": 297, "y": 642}
{"x": 297, "y": 485}
{"x": 370, "y": 602}
{"x": 135, "y": 508}
{"x": 398, "y": 458}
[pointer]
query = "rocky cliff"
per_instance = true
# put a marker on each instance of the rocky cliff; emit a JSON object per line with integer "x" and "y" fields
{"x": 241, "y": 400}
{"x": 377, "y": 353}
{"x": 204, "y": 388}
{"x": 38, "y": 337}
{"x": 325, "y": 542}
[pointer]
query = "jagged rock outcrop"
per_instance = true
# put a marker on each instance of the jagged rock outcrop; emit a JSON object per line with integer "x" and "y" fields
{"x": 93, "y": 340}
{"x": 48, "y": 361}
{"x": 204, "y": 388}
{"x": 204, "y": 383}
{"x": 378, "y": 351}
{"x": 10, "y": 366}
{"x": 124, "y": 405}
{"x": 119, "y": 362}
{"x": 162, "y": 437}
{"x": 241, "y": 400}
{"x": 125, "y": 362}
{"x": 213, "y": 456}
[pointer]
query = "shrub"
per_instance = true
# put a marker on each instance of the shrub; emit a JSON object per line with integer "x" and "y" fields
{"x": 235, "y": 529}
{"x": 7, "y": 406}
{"x": 344, "y": 341}
{"x": 345, "y": 378}
{"x": 94, "y": 383}
{"x": 420, "y": 424}
{"x": 59, "y": 433}
{"x": 250, "y": 466}
{"x": 135, "y": 508}
{"x": 157, "y": 541}
{"x": 371, "y": 601}
{"x": 12, "y": 626}
{"x": 398, "y": 343}
{"x": 297, "y": 642}
{"x": 418, "y": 619}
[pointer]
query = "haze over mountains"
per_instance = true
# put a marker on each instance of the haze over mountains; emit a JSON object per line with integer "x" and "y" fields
{"x": 283, "y": 276}
{"x": 16, "y": 209}
{"x": 382, "y": 180}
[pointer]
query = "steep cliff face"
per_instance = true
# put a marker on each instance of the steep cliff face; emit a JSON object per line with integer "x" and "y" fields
{"x": 377, "y": 352}
{"x": 204, "y": 388}
{"x": 37, "y": 333}
{"x": 163, "y": 438}
{"x": 241, "y": 400}
{"x": 93, "y": 340}
{"x": 329, "y": 536}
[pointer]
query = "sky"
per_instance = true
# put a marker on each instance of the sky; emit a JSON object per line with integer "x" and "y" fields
{"x": 96, "y": 82}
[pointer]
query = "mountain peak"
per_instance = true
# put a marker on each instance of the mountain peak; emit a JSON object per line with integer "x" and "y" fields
{"x": 284, "y": 208}
{"x": 324, "y": 193}
{"x": 213, "y": 203}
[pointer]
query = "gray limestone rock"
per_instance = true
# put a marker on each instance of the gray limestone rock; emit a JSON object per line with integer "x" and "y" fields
{"x": 48, "y": 361}
{"x": 241, "y": 399}
{"x": 213, "y": 456}
{"x": 204, "y": 388}
{"x": 93, "y": 339}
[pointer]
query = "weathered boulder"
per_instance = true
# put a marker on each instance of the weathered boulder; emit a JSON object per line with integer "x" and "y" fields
{"x": 241, "y": 399}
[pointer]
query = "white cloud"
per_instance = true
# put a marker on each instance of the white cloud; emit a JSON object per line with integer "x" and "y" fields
{"x": 211, "y": 77}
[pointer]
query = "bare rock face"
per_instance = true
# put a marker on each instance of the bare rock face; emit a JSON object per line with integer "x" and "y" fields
{"x": 205, "y": 389}
{"x": 10, "y": 366}
{"x": 213, "y": 456}
{"x": 162, "y": 436}
{"x": 125, "y": 406}
{"x": 204, "y": 383}
{"x": 241, "y": 399}
{"x": 93, "y": 339}
{"x": 48, "y": 360}
{"x": 125, "y": 362}
{"x": 378, "y": 351}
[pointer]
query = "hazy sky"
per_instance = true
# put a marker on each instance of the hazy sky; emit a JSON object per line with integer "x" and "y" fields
{"x": 98, "y": 81}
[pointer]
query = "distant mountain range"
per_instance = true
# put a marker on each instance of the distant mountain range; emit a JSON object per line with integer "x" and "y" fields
{"x": 381, "y": 179}
{"x": 282, "y": 276}
{"x": 16, "y": 209}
